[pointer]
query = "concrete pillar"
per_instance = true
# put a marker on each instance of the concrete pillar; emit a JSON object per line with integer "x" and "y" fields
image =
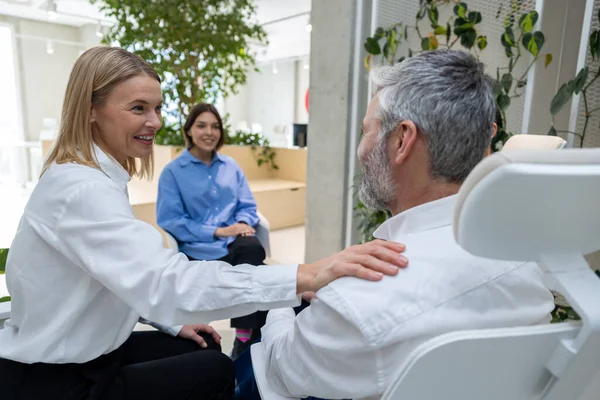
{"x": 338, "y": 102}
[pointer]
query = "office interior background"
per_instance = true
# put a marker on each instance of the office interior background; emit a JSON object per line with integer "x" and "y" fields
{"x": 301, "y": 103}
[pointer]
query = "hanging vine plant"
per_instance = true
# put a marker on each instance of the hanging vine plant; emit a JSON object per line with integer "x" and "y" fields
{"x": 522, "y": 44}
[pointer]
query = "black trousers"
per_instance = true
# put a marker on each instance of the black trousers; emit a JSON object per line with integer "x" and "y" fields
{"x": 246, "y": 250}
{"x": 149, "y": 365}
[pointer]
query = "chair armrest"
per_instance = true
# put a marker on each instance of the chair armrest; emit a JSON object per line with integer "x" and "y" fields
{"x": 171, "y": 242}
{"x": 260, "y": 374}
{"x": 4, "y": 311}
{"x": 262, "y": 233}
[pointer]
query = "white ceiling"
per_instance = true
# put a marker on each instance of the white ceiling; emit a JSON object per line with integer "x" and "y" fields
{"x": 287, "y": 39}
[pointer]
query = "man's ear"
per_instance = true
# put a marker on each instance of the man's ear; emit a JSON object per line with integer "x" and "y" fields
{"x": 494, "y": 132}
{"x": 405, "y": 137}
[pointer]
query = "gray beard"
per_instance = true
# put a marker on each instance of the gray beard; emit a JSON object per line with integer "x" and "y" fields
{"x": 377, "y": 188}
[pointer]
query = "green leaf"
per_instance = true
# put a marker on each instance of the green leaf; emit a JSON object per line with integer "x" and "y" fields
{"x": 503, "y": 102}
{"x": 533, "y": 42}
{"x": 474, "y": 17}
{"x": 460, "y": 10}
{"x": 468, "y": 38}
{"x": 595, "y": 44}
{"x": 4, "y": 299}
{"x": 561, "y": 98}
{"x": 393, "y": 41}
{"x": 401, "y": 59}
{"x": 497, "y": 89}
{"x": 508, "y": 37}
{"x": 386, "y": 49}
{"x": 527, "y": 21}
{"x": 580, "y": 80}
{"x": 459, "y": 30}
{"x": 506, "y": 82}
{"x": 372, "y": 46}
{"x": 448, "y": 32}
{"x": 552, "y": 131}
{"x": 433, "y": 15}
{"x": 421, "y": 13}
{"x": 426, "y": 43}
{"x": 3, "y": 257}
{"x": 379, "y": 33}
{"x": 406, "y": 32}
{"x": 410, "y": 53}
{"x": 482, "y": 42}
{"x": 439, "y": 30}
{"x": 548, "y": 60}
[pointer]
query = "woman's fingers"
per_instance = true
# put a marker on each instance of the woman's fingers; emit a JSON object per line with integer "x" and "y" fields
{"x": 372, "y": 263}
{"x": 369, "y": 261}
{"x": 211, "y": 331}
{"x": 388, "y": 252}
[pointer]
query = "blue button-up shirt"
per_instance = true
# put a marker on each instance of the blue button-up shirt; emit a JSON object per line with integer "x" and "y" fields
{"x": 195, "y": 199}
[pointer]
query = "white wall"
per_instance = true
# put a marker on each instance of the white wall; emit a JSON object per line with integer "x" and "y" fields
{"x": 302, "y": 84}
{"x": 271, "y": 99}
{"x": 43, "y": 77}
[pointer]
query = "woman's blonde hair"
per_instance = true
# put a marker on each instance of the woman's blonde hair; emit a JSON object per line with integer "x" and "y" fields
{"x": 95, "y": 74}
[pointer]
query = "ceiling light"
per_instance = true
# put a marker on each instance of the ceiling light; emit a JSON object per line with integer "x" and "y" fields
{"x": 99, "y": 30}
{"x": 308, "y": 25}
{"x": 51, "y": 9}
{"x": 49, "y": 47}
{"x": 275, "y": 70}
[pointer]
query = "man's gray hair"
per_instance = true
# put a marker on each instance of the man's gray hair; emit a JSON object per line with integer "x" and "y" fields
{"x": 450, "y": 99}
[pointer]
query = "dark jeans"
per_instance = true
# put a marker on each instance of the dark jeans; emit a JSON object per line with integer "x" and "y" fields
{"x": 149, "y": 365}
{"x": 244, "y": 373}
{"x": 246, "y": 250}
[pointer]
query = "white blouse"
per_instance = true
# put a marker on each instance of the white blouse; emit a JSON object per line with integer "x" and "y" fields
{"x": 82, "y": 270}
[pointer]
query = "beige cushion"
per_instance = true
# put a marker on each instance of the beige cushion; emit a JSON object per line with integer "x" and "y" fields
{"x": 534, "y": 142}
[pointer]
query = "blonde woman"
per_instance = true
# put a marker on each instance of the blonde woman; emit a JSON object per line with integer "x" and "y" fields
{"x": 82, "y": 270}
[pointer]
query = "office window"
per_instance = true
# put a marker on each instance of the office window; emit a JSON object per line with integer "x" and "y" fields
{"x": 10, "y": 119}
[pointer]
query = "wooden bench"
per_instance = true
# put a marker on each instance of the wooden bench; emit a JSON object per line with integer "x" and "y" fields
{"x": 282, "y": 202}
{"x": 280, "y": 194}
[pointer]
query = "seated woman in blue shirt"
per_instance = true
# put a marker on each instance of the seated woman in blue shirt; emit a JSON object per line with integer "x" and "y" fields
{"x": 205, "y": 203}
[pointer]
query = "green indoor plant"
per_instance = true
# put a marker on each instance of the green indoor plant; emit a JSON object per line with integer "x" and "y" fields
{"x": 461, "y": 30}
{"x": 201, "y": 50}
{"x": 3, "y": 257}
{"x": 522, "y": 45}
{"x": 261, "y": 147}
{"x": 580, "y": 84}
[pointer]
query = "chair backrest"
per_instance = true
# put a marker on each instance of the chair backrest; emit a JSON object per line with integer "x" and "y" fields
{"x": 534, "y": 142}
{"x": 495, "y": 364}
{"x": 543, "y": 202}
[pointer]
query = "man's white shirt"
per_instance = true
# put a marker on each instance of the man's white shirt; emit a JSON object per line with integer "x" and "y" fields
{"x": 356, "y": 334}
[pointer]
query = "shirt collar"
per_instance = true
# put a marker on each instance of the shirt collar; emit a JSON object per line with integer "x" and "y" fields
{"x": 111, "y": 167}
{"x": 186, "y": 157}
{"x": 431, "y": 215}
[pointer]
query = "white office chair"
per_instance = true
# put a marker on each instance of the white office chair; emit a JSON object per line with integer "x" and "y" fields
{"x": 534, "y": 142}
{"x": 4, "y": 313}
{"x": 262, "y": 233}
{"x": 545, "y": 208}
